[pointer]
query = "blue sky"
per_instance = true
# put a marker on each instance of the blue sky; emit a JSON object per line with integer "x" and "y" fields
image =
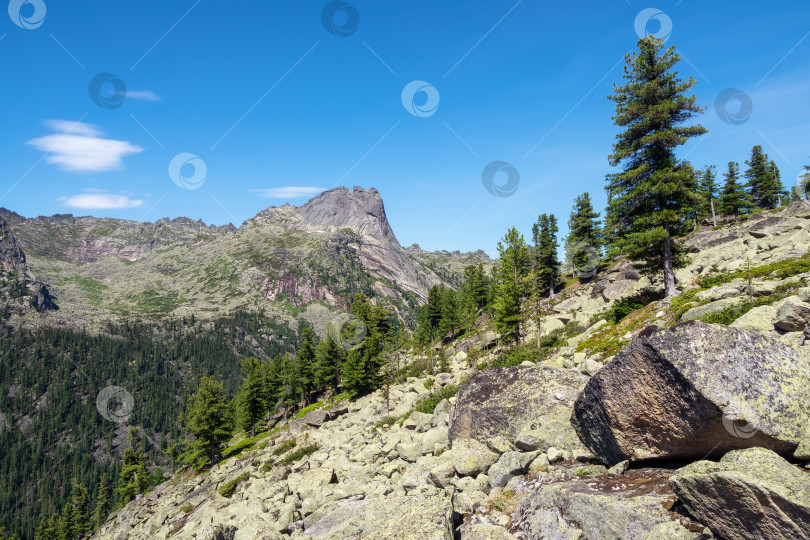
{"x": 267, "y": 102}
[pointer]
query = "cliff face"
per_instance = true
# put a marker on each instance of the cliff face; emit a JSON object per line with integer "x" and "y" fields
{"x": 324, "y": 251}
{"x": 18, "y": 285}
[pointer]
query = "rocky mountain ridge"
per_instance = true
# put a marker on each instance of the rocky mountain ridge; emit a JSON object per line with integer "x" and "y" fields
{"x": 294, "y": 262}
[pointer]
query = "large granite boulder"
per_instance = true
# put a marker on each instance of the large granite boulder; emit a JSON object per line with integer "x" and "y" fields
{"x": 519, "y": 400}
{"x": 635, "y": 505}
{"x": 749, "y": 495}
{"x": 694, "y": 390}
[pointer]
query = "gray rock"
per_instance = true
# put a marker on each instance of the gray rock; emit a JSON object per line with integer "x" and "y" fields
{"x": 693, "y": 390}
{"x": 633, "y": 506}
{"x": 511, "y": 401}
{"x": 754, "y": 487}
{"x": 509, "y": 465}
{"x": 758, "y": 319}
{"x": 410, "y": 451}
{"x": 712, "y": 307}
{"x": 315, "y": 418}
{"x": 792, "y": 316}
{"x": 472, "y": 457}
{"x": 500, "y": 444}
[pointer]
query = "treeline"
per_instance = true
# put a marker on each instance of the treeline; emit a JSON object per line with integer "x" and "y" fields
{"x": 350, "y": 358}
{"x": 51, "y": 433}
{"x": 653, "y": 202}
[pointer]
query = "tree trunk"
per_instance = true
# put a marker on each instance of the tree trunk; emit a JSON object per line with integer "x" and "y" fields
{"x": 669, "y": 272}
{"x": 551, "y": 293}
{"x": 714, "y": 217}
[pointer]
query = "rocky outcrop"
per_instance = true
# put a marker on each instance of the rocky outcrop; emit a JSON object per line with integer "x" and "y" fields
{"x": 694, "y": 390}
{"x": 600, "y": 507}
{"x": 749, "y": 495}
{"x": 520, "y": 403}
{"x": 16, "y": 279}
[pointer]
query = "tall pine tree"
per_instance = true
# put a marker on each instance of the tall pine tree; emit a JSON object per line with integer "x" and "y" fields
{"x": 252, "y": 396}
{"x": 764, "y": 183}
{"x": 133, "y": 478}
{"x": 584, "y": 240}
{"x": 208, "y": 422}
{"x": 103, "y": 501}
{"x": 515, "y": 263}
{"x": 649, "y": 201}
{"x": 708, "y": 194}
{"x": 734, "y": 199}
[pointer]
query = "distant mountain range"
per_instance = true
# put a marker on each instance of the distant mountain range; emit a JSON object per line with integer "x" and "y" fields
{"x": 295, "y": 262}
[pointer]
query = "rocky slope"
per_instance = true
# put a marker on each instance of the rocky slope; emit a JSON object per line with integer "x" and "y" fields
{"x": 583, "y": 443}
{"x": 294, "y": 262}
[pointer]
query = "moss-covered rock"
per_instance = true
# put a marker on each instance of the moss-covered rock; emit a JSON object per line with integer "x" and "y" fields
{"x": 634, "y": 505}
{"x": 750, "y": 494}
{"x": 511, "y": 401}
{"x": 693, "y": 390}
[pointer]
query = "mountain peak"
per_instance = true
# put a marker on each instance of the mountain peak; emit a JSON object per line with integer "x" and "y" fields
{"x": 360, "y": 209}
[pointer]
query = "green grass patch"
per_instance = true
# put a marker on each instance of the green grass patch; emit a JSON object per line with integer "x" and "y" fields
{"x": 529, "y": 351}
{"x": 344, "y": 396}
{"x": 299, "y": 454}
{"x": 730, "y": 314}
{"x": 284, "y": 447}
{"x": 228, "y": 488}
{"x": 776, "y": 270}
{"x": 93, "y": 289}
{"x": 242, "y": 446}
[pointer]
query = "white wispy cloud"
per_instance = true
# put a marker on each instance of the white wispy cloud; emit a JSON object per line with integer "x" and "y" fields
{"x": 288, "y": 192}
{"x": 79, "y": 147}
{"x": 143, "y": 95}
{"x": 94, "y": 199}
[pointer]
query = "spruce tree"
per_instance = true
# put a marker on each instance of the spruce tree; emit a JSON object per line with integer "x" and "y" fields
{"x": 66, "y": 529}
{"x": 103, "y": 501}
{"x": 734, "y": 199}
{"x": 133, "y": 478}
{"x": 764, "y": 182}
{"x": 305, "y": 360}
{"x": 708, "y": 193}
{"x": 48, "y": 528}
{"x": 584, "y": 238}
{"x": 802, "y": 187}
{"x": 329, "y": 360}
{"x": 451, "y": 319}
{"x": 207, "y": 420}
{"x": 80, "y": 501}
{"x": 511, "y": 288}
{"x": 546, "y": 267}
{"x": 252, "y": 398}
{"x": 649, "y": 201}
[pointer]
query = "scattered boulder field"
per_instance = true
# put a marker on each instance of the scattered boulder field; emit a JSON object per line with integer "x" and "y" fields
{"x": 528, "y": 452}
{"x": 682, "y": 419}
